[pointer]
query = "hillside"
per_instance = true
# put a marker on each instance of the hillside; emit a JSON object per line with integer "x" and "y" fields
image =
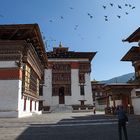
{"x": 120, "y": 79}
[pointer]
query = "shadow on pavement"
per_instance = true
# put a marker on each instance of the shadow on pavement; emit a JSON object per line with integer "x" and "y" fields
{"x": 66, "y": 129}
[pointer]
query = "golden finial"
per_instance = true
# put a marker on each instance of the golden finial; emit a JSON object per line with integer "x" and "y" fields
{"x": 60, "y": 45}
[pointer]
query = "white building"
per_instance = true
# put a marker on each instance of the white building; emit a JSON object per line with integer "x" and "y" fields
{"x": 22, "y": 62}
{"x": 67, "y": 79}
{"x": 133, "y": 55}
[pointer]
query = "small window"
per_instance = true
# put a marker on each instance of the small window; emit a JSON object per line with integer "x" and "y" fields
{"x": 82, "y": 92}
{"x": 40, "y": 90}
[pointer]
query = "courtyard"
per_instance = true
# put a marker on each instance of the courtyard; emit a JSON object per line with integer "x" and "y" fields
{"x": 66, "y": 126}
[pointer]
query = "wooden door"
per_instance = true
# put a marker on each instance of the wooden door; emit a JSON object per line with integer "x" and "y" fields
{"x": 125, "y": 101}
{"x": 61, "y": 96}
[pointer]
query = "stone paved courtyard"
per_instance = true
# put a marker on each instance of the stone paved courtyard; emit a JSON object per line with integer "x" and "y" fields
{"x": 66, "y": 126}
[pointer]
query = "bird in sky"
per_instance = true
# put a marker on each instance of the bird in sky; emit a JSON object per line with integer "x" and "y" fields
{"x": 106, "y": 19}
{"x": 126, "y": 4}
{"x": 130, "y": 5}
{"x": 133, "y": 7}
{"x": 118, "y": 16}
{"x": 76, "y": 26}
{"x": 90, "y": 15}
{"x": 61, "y": 17}
{"x": 50, "y": 21}
{"x": 119, "y": 7}
{"x": 111, "y": 4}
{"x": 104, "y": 6}
{"x": 126, "y": 13}
{"x": 71, "y": 8}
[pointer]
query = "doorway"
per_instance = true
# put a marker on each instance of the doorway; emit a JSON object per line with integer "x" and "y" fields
{"x": 61, "y": 95}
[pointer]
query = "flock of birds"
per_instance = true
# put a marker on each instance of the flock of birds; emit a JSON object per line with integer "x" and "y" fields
{"x": 105, "y": 7}
{"x": 124, "y": 8}
{"x": 121, "y": 8}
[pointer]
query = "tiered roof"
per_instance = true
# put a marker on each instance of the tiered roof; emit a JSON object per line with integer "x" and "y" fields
{"x": 62, "y": 52}
{"x": 132, "y": 55}
{"x": 134, "y": 37}
{"x": 28, "y": 32}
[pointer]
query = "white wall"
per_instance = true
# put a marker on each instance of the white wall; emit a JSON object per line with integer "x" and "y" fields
{"x": 47, "y": 89}
{"x": 135, "y": 101}
{"x": 136, "y": 105}
{"x": 68, "y": 100}
{"x": 9, "y": 93}
{"x": 10, "y": 100}
{"x": 50, "y": 100}
{"x": 75, "y": 88}
{"x": 27, "y": 112}
{"x": 9, "y": 90}
{"x": 88, "y": 90}
{"x": 7, "y": 64}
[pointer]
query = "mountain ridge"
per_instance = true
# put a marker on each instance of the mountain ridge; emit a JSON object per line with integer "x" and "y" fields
{"x": 120, "y": 79}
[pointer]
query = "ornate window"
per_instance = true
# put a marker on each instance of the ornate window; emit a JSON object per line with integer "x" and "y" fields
{"x": 27, "y": 77}
{"x": 84, "y": 67}
{"x": 31, "y": 81}
{"x": 81, "y": 78}
{"x": 37, "y": 86}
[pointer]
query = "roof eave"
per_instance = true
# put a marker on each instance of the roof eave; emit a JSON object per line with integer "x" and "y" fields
{"x": 134, "y": 37}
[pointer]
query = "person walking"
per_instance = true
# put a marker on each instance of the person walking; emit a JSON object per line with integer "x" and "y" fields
{"x": 122, "y": 119}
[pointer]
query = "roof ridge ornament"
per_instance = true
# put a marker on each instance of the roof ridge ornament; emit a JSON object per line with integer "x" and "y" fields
{"x": 60, "y": 45}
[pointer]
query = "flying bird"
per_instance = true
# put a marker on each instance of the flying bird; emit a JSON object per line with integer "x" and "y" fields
{"x": 133, "y": 7}
{"x": 126, "y": 13}
{"x": 90, "y": 15}
{"x": 130, "y": 5}
{"x": 50, "y": 21}
{"x": 111, "y": 4}
{"x": 106, "y": 19}
{"x": 119, "y": 7}
{"x": 118, "y": 16}
{"x": 61, "y": 17}
{"x": 126, "y": 4}
{"x": 71, "y": 8}
{"x": 104, "y": 6}
{"x": 76, "y": 26}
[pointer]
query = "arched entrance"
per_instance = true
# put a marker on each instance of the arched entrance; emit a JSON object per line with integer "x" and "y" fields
{"x": 61, "y": 95}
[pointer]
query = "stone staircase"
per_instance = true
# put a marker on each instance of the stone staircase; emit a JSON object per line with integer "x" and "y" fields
{"x": 61, "y": 108}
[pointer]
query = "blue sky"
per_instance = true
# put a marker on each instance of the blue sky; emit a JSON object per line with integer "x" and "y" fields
{"x": 68, "y": 21}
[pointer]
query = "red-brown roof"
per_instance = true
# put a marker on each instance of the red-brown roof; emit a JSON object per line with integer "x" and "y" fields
{"x": 132, "y": 54}
{"x": 71, "y": 54}
{"x": 28, "y": 32}
{"x": 134, "y": 37}
{"x": 120, "y": 85}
